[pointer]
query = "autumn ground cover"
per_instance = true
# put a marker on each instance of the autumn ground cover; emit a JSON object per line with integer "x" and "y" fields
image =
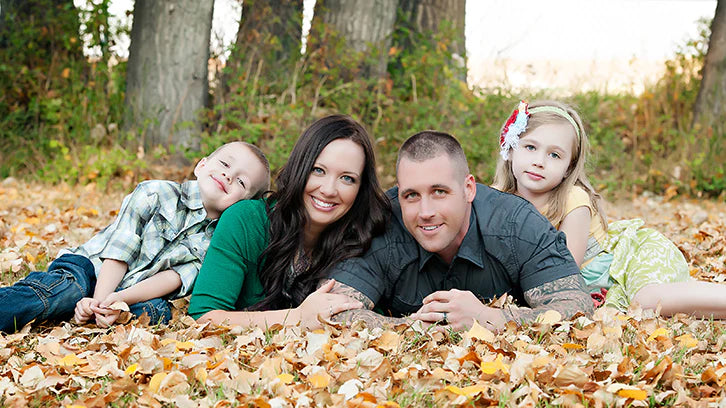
{"x": 611, "y": 359}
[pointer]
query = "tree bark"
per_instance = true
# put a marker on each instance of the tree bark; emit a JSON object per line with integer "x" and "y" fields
{"x": 365, "y": 25}
{"x": 710, "y": 107}
{"x": 267, "y": 46}
{"x": 166, "y": 75}
{"x": 427, "y": 16}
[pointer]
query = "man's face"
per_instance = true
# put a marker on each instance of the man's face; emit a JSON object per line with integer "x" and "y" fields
{"x": 436, "y": 203}
{"x": 231, "y": 174}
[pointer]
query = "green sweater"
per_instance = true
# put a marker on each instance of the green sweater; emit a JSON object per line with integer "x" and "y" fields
{"x": 228, "y": 279}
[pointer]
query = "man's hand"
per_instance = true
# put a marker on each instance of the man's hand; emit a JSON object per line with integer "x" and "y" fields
{"x": 84, "y": 309}
{"x": 458, "y": 309}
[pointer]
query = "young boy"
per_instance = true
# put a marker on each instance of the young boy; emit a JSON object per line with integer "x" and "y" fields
{"x": 151, "y": 252}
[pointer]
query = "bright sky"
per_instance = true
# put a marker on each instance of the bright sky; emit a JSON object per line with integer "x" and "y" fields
{"x": 616, "y": 31}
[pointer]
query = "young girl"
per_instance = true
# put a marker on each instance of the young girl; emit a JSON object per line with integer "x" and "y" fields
{"x": 543, "y": 152}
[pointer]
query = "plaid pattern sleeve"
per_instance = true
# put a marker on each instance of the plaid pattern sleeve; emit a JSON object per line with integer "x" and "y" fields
{"x": 123, "y": 238}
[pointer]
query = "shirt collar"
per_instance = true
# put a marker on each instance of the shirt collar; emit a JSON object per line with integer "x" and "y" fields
{"x": 471, "y": 247}
{"x": 190, "y": 195}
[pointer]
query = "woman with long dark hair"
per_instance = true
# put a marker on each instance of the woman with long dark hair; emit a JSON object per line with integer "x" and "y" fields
{"x": 268, "y": 256}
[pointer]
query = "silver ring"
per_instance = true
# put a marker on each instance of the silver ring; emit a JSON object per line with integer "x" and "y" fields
{"x": 445, "y": 320}
{"x": 331, "y": 310}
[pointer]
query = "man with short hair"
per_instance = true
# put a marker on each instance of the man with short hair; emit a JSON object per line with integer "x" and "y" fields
{"x": 453, "y": 243}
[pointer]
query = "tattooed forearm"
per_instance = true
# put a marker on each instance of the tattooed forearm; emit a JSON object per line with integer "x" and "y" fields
{"x": 371, "y": 318}
{"x": 353, "y": 293}
{"x": 566, "y": 295}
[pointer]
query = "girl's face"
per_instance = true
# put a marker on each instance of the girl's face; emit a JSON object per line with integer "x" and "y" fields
{"x": 542, "y": 159}
{"x": 333, "y": 183}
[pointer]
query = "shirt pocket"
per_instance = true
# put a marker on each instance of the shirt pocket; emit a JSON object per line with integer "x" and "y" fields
{"x": 197, "y": 245}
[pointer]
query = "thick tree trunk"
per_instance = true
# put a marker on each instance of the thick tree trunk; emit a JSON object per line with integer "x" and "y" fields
{"x": 166, "y": 77}
{"x": 710, "y": 107}
{"x": 427, "y": 16}
{"x": 365, "y": 26}
{"x": 267, "y": 47}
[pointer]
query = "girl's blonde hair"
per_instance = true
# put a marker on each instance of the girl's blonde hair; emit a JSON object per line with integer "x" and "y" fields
{"x": 576, "y": 176}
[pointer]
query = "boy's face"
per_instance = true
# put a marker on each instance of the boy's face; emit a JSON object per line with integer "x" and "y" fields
{"x": 231, "y": 174}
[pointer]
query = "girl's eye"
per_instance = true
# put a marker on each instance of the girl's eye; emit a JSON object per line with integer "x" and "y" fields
{"x": 555, "y": 155}
{"x": 529, "y": 147}
{"x": 348, "y": 179}
{"x": 317, "y": 170}
{"x": 241, "y": 183}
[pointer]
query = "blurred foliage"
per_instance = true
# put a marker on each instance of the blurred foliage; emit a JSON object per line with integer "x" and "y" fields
{"x": 59, "y": 110}
{"x": 61, "y": 121}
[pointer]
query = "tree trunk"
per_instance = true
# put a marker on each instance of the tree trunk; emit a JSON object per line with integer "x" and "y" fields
{"x": 710, "y": 107}
{"x": 427, "y": 16}
{"x": 267, "y": 46}
{"x": 363, "y": 24}
{"x": 166, "y": 75}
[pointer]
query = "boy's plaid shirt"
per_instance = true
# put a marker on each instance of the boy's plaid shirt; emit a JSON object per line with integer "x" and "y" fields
{"x": 161, "y": 225}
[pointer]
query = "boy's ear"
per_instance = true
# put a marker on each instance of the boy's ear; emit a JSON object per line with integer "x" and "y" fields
{"x": 199, "y": 165}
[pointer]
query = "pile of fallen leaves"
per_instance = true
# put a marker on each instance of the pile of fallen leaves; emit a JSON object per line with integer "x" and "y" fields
{"x": 611, "y": 359}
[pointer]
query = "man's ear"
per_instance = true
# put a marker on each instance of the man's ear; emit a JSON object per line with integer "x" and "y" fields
{"x": 469, "y": 188}
{"x": 199, "y": 165}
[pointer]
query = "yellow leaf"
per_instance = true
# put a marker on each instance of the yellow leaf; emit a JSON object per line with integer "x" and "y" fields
{"x": 200, "y": 374}
{"x": 549, "y": 317}
{"x": 491, "y": 367}
{"x": 130, "y": 370}
{"x": 167, "y": 363}
{"x": 634, "y": 394}
{"x": 156, "y": 381}
{"x": 479, "y": 332}
{"x": 657, "y": 332}
{"x": 167, "y": 341}
{"x": 75, "y": 406}
{"x": 389, "y": 404}
{"x": 119, "y": 305}
{"x": 71, "y": 360}
{"x": 66, "y": 73}
{"x": 184, "y": 346}
{"x": 285, "y": 378}
{"x": 572, "y": 346}
{"x": 687, "y": 341}
{"x": 319, "y": 380}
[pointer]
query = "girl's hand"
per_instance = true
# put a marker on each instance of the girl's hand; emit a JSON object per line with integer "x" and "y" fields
{"x": 323, "y": 303}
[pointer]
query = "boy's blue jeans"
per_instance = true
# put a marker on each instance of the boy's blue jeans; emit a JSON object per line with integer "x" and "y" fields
{"x": 53, "y": 295}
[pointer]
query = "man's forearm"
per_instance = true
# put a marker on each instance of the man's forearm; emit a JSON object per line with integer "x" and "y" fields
{"x": 567, "y": 296}
{"x": 371, "y": 318}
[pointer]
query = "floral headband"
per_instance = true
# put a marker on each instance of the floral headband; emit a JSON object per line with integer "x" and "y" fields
{"x": 517, "y": 124}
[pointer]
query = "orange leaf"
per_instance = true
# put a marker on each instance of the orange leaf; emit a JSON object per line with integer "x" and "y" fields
{"x": 634, "y": 394}
{"x": 319, "y": 380}
{"x": 572, "y": 346}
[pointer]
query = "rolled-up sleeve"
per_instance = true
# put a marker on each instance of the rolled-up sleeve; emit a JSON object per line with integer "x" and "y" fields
{"x": 366, "y": 274}
{"x": 124, "y": 236}
{"x": 188, "y": 273}
{"x": 541, "y": 250}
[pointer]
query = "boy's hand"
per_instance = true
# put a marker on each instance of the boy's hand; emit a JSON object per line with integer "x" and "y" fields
{"x": 105, "y": 316}
{"x": 84, "y": 309}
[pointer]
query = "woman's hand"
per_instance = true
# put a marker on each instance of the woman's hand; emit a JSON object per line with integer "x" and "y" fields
{"x": 323, "y": 303}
